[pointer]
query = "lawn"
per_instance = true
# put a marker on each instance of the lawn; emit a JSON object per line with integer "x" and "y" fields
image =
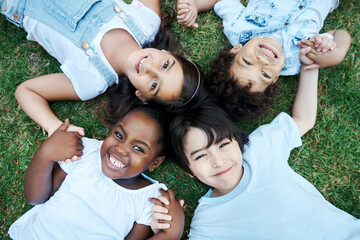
{"x": 329, "y": 157}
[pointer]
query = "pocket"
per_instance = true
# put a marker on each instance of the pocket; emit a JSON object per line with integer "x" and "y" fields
{"x": 261, "y": 13}
{"x": 307, "y": 29}
{"x": 68, "y": 12}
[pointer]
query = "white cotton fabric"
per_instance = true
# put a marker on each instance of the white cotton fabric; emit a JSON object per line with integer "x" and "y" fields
{"x": 88, "y": 205}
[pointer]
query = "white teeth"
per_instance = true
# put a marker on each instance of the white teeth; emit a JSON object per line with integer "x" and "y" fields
{"x": 142, "y": 60}
{"x": 269, "y": 51}
{"x": 116, "y": 162}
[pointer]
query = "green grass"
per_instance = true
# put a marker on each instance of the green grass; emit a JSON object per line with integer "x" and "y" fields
{"x": 329, "y": 157}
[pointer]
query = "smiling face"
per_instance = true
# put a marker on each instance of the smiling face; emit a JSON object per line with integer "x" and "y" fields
{"x": 219, "y": 166}
{"x": 131, "y": 147}
{"x": 155, "y": 74}
{"x": 258, "y": 63}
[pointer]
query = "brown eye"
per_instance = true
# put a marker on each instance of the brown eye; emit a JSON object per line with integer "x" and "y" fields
{"x": 154, "y": 85}
{"x": 166, "y": 64}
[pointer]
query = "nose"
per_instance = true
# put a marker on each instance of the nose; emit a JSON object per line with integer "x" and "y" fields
{"x": 217, "y": 160}
{"x": 121, "y": 150}
{"x": 152, "y": 67}
{"x": 263, "y": 60}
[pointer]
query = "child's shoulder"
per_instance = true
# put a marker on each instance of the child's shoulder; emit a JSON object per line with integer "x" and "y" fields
{"x": 282, "y": 130}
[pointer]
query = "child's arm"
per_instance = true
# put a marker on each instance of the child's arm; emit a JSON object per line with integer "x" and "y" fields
{"x": 33, "y": 96}
{"x": 168, "y": 216}
{"x": 43, "y": 178}
{"x": 328, "y": 52}
{"x": 187, "y": 10}
{"x": 305, "y": 104}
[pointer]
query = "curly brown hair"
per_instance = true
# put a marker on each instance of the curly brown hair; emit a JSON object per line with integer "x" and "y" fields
{"x": 238, "y": 102}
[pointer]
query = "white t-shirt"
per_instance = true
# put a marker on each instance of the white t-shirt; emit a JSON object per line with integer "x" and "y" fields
{"x": 88, "y": 205}
{"x": 87, "y": 81}
{"x": 271, "y": 200}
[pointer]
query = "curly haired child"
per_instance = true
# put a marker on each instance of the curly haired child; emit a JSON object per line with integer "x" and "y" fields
{"x": 266, "y": 37}
{"x": 102, "y": 193}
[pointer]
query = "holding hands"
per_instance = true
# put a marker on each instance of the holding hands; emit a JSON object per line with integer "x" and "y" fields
{"x": 187, "y": 12}
{"x": 168, "y": 215}
{"x": 324, "y": 51}
{"x": 64, "y": 144}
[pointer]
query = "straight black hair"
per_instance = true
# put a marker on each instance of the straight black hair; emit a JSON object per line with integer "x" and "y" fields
{"x": 209, "y": 118}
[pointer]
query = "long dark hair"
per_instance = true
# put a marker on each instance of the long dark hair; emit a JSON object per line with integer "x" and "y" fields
{"x": 165, "y": 40}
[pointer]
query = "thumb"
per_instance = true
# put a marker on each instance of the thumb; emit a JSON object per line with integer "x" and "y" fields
{"x": 64, "y": 126}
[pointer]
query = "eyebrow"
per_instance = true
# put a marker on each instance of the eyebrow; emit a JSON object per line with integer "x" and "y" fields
{"x": 143, "y": 143}
{"x": 196, "y": 151}
{"x": 137, "y": 141}
{"x": 158, "y": 89}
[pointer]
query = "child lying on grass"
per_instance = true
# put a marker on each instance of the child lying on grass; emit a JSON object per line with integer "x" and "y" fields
{"x": 103, "y": 195}
{"x": 266, "y": 37}
{"x": 254, "y": 193}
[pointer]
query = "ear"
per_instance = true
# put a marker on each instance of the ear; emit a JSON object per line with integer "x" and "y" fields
{"x": 276, "y": 79}
{"x": 236, "y": 49}
{"x": 138, "y": 94}
{"x": 156, "y": 163}
{"x": 190, "y": 175}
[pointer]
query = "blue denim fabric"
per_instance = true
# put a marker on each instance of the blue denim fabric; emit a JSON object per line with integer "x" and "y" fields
{"x": 79, "y": 21}
{"x": 295, "y": 19}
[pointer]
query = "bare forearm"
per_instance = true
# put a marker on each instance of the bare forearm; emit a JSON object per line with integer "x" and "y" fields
{"x": 163, "y": 236}
{"x": 34, "y": 94}
{"x": 305, "y": 104}
{"x": 37, "y": 108}
{"x": 343, "y": 41}
{"x": 206, "y": 5}
{"x": 38, "y": 178}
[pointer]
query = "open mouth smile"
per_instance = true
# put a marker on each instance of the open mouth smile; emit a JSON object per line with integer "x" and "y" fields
{"x": 269, "y": 51}
{"x": 139, "y": 64}
{"x": 114, "y": 161}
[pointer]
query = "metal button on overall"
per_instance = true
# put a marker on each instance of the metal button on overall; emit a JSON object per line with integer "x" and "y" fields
{"x": 4, "y": 7}
{"x": 85, "y": 46}
{"x": 117, "y": 9}
{"x": 301, "y": 7}
{"x": 16, "y": 16}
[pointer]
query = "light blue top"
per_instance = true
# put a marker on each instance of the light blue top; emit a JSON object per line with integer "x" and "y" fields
{"x": 293, "y": 20}
{"x": 88, "y": 205}
{"x": 272, "y": 201}
{"x": 80, "y": 22}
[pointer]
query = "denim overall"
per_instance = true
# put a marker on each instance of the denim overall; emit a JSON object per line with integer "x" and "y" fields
{"x": 261, "y": 18}
{"x": 77, "y": 20}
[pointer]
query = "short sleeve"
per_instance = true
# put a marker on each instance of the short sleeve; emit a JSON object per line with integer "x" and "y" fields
{"x": 87, "y": 81}
{"x": 274, "y": 140}
{"x": 228, "y": 10}
{"x": 146, "y": 213}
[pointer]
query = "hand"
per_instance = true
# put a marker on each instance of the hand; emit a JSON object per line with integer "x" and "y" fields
{"x": 71, "y": 128}
{"x": 168, "y": 215}
{"x": 63, "y": 145}
{"x": 187, "y": 13}
{"x": 323, "y": 43}
{"x": 320, "y": 59}
{"x": 307, "y": 62}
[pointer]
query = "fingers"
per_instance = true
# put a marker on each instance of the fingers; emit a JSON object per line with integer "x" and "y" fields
{"x": 311, "y": 66}
{"x": 159, "y": 209}
{"x": 182, "y": 202}
{"x": 162, "y": 217}
{"x": 64, "y": 126}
